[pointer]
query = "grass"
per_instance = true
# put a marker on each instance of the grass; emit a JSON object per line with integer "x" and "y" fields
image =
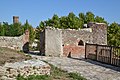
{"x": 9, "y": 55}
{"x": 34, "y": 77}
{"x": 56, "y": 74}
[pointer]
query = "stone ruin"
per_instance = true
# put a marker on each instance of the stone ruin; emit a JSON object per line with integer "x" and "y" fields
{"x": 16, "y": 43}
{"x": 71, "y": 42}
{"x": 25, "y": 68}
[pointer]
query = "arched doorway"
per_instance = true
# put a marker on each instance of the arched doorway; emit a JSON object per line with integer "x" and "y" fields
{"x": 80, "y": 43}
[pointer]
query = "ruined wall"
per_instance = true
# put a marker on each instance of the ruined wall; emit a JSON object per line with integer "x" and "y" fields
{"x": 72, "y": 42}
{"x": 25, "y": 68}
{"x": 16, "y": 43}
{"x": 99, "y": 33}
{"x": 42, "y": 43}
{"x": 11, "y": 42}
{"x": 96, "y": 33}
{"x": 53, "y": 42}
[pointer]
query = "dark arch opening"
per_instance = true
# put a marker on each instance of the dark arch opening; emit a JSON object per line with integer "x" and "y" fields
{"x": 80, "y": 43}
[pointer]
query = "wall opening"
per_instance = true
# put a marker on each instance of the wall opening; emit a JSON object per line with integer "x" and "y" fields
{"x": 80, "y": 43}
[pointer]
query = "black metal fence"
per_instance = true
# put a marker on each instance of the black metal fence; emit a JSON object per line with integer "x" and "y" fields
{"x": 103, "y": 53}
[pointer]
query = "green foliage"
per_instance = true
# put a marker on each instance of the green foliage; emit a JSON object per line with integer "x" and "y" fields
{"x": 76, "y": 76}
{"x": 5, "y": 28}
{"x": 63, "y": 22}
{"x": 31, "y": 31}
{"x": 34, "y": 77}
{"x": 10, "y": 30}
{"x": 100, "y": 20}
{"x": 73, "y": 21}
{"x": 82, "y": 19}
{"x": 16, "y": 29}
{"x": 114, "y": 34}
{"x": 39, "y": 29}
{"x": 70, "y": 21}
{"x": 89, "y": 17}
{"x": 1, "y": 30}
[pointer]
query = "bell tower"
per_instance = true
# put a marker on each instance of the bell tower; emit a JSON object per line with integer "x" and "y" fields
{"x": 15, "y": 19}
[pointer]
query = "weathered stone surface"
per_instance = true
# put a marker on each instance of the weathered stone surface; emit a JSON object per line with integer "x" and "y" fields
{"x": 53, "y": 42}
{"x": 57, "y": 42}
{"x": 25, "y": 68}
{"x": 16, "y": 43}
{"x": 91, "y": 70}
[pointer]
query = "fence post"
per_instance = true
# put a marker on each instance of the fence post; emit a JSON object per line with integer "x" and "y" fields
{"x": 119, "y": 61}
{"x": 85, "y": 51}
{"x": 110, "y": 55}
{"x": 96, "y": 52}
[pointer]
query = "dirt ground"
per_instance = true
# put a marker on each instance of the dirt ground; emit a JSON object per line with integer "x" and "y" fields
{"x": 9, "y": 55}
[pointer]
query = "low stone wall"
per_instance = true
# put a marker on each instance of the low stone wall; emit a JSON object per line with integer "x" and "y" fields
{"x": 11, "y": 42}
{"x": 16, "y": 43}
{"x": 25, "y": 68}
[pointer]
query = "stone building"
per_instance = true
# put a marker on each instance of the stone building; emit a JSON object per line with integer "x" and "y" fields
{"x": 65, "y": 42}
{"x": 15, "y": 19}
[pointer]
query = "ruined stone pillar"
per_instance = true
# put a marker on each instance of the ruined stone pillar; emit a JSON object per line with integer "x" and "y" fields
{"x": 26, "y": 41}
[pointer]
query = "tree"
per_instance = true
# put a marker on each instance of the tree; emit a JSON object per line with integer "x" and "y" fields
{"x": 5, "y": 29}
{"x": 56, "y": 21}
{"x": 39, "y": 29}
{"x": 114, "y": 34}
{"x": 89, "y": 17}
{"x": 100, "y": 20}
{"x": 10, "y": 30}
{"x": 31, "y": 31}
{"x": 15, "y": 29}
{"x": 71, "y": 20}
{"x": 63, "y": 22}
{"x": 82, "y": 19}
{"x": 1, "y": 30}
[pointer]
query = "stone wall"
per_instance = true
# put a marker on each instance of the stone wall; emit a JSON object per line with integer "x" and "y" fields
{"x": 53, "y": 42}
{"x": 31, "y": 67}
{"x": 16, "y": 43}
{"x": 71, "y": 39}
{"x": 72, "y": 42}
{"x": 99, "y": 33}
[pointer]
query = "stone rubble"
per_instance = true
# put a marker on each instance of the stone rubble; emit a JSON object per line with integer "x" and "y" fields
{"x": 30, "y": 67}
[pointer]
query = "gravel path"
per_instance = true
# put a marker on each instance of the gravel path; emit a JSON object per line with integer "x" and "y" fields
{"x": 91, "y": 70}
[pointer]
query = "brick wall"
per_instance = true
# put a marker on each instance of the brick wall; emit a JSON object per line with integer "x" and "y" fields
{"x": 71, "y": 39}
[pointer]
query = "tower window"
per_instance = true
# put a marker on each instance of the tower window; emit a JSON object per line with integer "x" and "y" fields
{"x": 80, "y": 43}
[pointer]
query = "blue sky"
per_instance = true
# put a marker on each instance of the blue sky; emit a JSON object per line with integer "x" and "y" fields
{"x": 40, "y": 10}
